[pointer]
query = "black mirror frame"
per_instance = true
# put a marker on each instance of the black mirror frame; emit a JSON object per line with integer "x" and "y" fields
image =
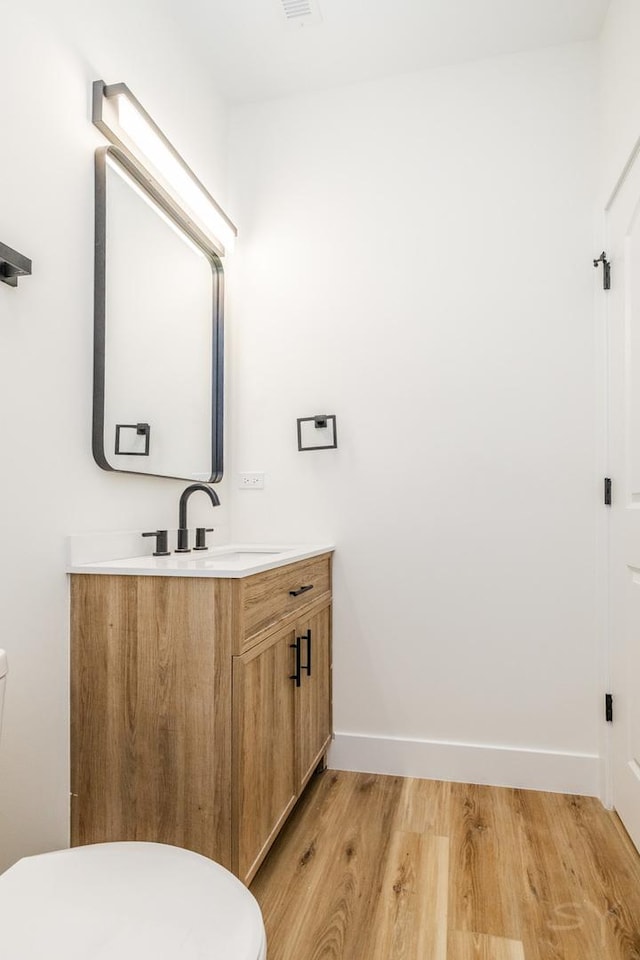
{"x": 166, "y": 203}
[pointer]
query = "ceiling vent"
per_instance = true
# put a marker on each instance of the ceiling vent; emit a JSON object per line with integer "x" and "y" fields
{"x": 300, "y": 12}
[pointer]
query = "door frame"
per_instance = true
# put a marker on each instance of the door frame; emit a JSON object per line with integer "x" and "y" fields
{"x": 603, "y": 526}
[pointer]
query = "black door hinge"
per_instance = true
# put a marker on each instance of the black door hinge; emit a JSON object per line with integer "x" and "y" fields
{"x": 606, "y": 270}
{"x": 607, "y": 491}
{"x": 608, "y": 707}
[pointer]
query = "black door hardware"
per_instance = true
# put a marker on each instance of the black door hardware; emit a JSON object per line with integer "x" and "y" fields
{"x": 307, "y": 636}
{"x": 296, "y": 593}
{"x": 608, "y": 707}
{"x": 162, "y": 542}
{"x": 606, "y": 270}
{"x": 607, "y": 491}
{"x": 296, "y": 676}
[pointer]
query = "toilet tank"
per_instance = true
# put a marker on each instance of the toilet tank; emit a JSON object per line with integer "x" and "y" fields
{"x": 3, "y": 674}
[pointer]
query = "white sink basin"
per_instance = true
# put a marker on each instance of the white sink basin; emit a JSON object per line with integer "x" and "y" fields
{"x": 233, "y": 556}
{"x": 231, "y": 560}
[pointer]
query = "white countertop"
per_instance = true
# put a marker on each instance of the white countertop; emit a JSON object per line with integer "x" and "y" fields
{"x": 229, "y": 561}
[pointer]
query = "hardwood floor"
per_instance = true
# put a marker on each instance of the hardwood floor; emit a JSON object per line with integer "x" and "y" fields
{"x": 385, "y": 868}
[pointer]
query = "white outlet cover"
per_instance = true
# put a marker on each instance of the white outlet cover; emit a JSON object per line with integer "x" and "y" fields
{"x": 251, "y": 481}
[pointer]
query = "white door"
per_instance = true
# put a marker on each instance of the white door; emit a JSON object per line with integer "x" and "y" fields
{"x": 623, "y": 310}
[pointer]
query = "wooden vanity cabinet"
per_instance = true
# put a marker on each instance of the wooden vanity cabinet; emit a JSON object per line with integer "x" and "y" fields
{"x": 282, "y": 726}
{"x": 313, "y": 696}
{"x": 186, "y": 727}
{"x": 264, "y": 759}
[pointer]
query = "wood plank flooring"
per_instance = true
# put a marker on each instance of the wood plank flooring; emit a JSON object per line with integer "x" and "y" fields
{"x": 385, "y": 868}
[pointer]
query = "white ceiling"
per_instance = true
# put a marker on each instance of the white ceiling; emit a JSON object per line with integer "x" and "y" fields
{"x": 256, "y": 54}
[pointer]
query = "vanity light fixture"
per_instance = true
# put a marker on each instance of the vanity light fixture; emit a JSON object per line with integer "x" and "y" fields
{"x": 13, "y": 265}
{"x": 125, "y": 123}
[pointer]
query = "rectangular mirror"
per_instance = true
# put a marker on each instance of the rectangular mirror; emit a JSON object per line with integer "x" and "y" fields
{"x": 158, "y": 333}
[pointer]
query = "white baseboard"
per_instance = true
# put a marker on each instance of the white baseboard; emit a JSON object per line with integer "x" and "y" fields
{"x": 576, "y": 773}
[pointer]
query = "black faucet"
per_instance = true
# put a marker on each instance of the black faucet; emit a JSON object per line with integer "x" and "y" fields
{"x": 183, "y": 530}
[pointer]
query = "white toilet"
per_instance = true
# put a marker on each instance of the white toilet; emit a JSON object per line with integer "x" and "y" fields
{"x": 125, "y": 901}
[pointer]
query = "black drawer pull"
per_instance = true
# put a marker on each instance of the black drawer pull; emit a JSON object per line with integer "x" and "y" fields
{"x": 296, "y": 593}
{"x": 296, "y": 676}
{"x": 307, "y": 666}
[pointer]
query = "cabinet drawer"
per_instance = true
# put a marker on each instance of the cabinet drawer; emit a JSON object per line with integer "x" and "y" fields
{"x": 268, "y": 597}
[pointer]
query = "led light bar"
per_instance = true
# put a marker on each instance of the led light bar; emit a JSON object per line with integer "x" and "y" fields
{"x": 125, "y": 123}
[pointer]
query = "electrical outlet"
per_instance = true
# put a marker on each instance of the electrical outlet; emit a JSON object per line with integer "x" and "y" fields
{"x": 251, "y": 481}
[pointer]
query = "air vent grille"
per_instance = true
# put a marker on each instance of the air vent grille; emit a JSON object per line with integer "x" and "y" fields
{"x": 297, "y": 8}
{"x": 301, "y": 12}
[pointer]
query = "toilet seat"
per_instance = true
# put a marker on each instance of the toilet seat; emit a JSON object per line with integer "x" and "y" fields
{"x": 127, "y": 901}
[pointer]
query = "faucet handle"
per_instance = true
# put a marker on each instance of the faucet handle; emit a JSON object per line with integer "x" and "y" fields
{"x": 201, "y": 537}
{"x": 162, "y": 542}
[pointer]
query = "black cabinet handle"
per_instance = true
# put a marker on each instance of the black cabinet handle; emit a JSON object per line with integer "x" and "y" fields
{"x": 296, "y": 593}
{"x": 296, "y": 676}
{"x": 307, "y": 636}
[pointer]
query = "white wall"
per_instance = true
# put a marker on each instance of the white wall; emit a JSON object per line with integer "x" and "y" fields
{"x": 415, "y": 257}
{"x": 619, "y": 89}
{"x": 50, "y": 485}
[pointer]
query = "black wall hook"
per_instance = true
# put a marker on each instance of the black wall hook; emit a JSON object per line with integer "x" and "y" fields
{"x": 606, "y": 270}
{"x": 13, "y": 265}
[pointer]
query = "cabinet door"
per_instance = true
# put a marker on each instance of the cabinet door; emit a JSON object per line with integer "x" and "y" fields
{"x": 151, "y": 711}
{"x": 313, "y": 697}
{"x": 263, "y": 747}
